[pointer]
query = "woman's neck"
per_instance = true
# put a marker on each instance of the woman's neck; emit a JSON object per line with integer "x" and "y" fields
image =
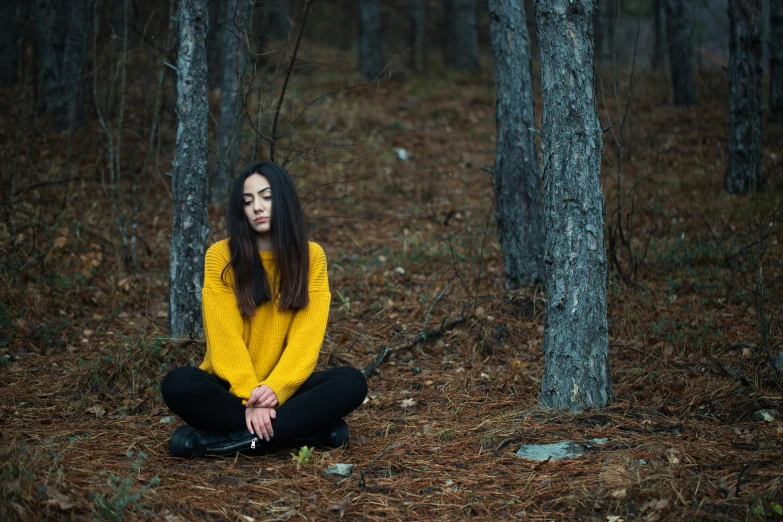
{"x": 264, "y": 243}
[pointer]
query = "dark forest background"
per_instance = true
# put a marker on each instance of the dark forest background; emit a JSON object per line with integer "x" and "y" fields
{"x": 391, "y": 146}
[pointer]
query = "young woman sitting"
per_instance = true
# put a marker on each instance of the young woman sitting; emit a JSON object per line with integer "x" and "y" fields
{"x": 265, "y": 304}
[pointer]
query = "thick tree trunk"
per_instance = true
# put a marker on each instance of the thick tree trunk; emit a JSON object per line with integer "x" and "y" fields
{"x": 276, "y": 23}
{"x": 517, "y": 178}
{"x": 417, "y": 20}
{"x": 679, "y": 28}
{"x": 776, "y": 60}
{"x": 745, "y": 71}
{"x": 462, "y": 35}
{"x": 370, "y": 42}
{"x": 237, "y": 12}
{"x": 190, "y": 177}
{"x": 659, "y": 34}
{"x": 11, "y": 13}
{"x": 576, "y": 374}
{"x": 604, "y": 27}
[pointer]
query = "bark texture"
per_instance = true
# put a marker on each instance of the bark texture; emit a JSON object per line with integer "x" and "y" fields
{"x": 575, "y": 344}
{"x": 462, "y": 35}
{"x": 370, "y": 40}
{"x": 233, "y": 38}
{"x": 190, "y": 177}
{"x": 743, "y": 173}
{"x": 679, "y": 28}
{"x": 605, "y": 16}
{"x": 276, "y": 24}
{"x": 61, "y": 40}
{"x": 658, "y": 58}
{"x": 517, "y": 178}
{"x": 417, "y": 40}
{"x": 776, "y": 60}
{"x": 11, "y": 12}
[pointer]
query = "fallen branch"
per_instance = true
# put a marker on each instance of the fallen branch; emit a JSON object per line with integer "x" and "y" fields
{"x": 386, "y": 350}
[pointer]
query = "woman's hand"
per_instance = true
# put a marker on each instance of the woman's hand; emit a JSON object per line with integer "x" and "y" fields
{"x": 262, "y": 397}
{"x": 259, "y": 421}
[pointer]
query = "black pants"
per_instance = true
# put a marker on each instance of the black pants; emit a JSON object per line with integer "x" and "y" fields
{"x": 204, "y": 402}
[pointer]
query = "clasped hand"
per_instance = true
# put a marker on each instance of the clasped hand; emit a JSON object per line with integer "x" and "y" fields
{"x": 260, "y": 413}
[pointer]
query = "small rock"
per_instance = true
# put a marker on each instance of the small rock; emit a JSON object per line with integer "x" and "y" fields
{"x": 167, "y": 420}
{"x": 557, "y": 451}
{"x": 765, "y": 415}
{"x": 340, "y": 470}
{"x": 402, "y": 154}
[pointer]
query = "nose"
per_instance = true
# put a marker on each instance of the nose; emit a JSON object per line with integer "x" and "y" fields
{"x": 258, "y": 205}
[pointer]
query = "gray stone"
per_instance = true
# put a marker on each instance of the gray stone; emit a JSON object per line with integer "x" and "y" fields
{"x": 340, "y": 470}
{"x": 566, "y": 449}
{"x": 166, "y": 420}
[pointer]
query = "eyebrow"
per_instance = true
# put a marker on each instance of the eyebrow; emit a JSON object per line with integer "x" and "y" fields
{"x": 260, "y": 191}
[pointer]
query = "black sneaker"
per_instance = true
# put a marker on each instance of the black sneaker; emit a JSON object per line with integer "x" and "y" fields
{"x": 188, "y": 443}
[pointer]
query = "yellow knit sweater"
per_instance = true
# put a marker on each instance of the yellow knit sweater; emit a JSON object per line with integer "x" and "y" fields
{"x": 276, "y": 348}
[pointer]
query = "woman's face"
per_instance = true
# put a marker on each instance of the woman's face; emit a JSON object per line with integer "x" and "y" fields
{"x": 257, "y": 201}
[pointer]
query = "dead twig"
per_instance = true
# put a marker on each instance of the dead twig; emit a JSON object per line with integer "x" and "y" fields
{"x": 423, "y": 336}
{"x": 273, "y": 136}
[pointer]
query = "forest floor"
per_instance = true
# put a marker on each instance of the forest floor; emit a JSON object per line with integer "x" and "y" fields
{"x": 411, "y": 245}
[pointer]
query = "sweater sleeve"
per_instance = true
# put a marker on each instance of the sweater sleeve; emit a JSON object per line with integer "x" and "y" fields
{"x": 227, "y": 354}
{"x": 306, "y": 333}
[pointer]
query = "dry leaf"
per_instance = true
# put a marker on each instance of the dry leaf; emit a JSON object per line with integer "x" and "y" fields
{"x": 619, "y": 493}
{"x": 661, "y": 504}
{"x": 60, "y": 242}
{"x": 58, "y": 499}
{"x": 407, "y": 403}
{"x": 283, "y": 516}
{"x": 614, "y": 518}
{"x": 341, "y": 507}
{"x": 668, "y": 350}
{"x": 98, "y": 410}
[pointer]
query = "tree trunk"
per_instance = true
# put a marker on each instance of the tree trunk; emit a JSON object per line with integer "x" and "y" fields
{"x": 49, "y": 41}
{"x": 11, "y": 14}
{"x": 214, "y": 36}
{"x": 417, "y": 19}
{"x": 62, "y": 36}
{"x": 659, "y": 34}
{"x": 605, "y": 17}
{"x": 745, "y": 71}
{"x": 370, "y": 43}
{"x": 776, "y": 60}
{"x": 237, "y": 12}
{"x": 462, "y": 35}
{"x": 575, "y": 344}
{"x": 191, "y": 176}
{"x": 75, "y": 64}
{"x": 679, "y": 28}
{"x": 517, "y": 178}
{"x": 276, "y": 24}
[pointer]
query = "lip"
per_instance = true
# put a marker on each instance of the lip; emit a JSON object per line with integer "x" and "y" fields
{"x": 261, "y": 220}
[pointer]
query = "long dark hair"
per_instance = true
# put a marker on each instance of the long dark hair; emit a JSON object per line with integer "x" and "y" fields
{"x": 289, "y": 244}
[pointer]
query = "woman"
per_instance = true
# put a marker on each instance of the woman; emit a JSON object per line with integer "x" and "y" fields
{"x": 265, "y": 304}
